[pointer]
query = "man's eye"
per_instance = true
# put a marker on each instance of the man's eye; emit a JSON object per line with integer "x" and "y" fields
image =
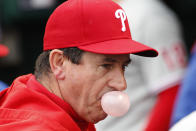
{"x": 107, "y": 66}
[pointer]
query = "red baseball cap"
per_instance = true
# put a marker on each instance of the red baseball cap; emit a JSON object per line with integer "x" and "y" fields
{"x": 98, "y": 26}
{"x": 3, "y": 50}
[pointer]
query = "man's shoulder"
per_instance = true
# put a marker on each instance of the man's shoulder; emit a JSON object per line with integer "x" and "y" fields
{"x": 23, "y": 120}
{"x": 22, "y": 107}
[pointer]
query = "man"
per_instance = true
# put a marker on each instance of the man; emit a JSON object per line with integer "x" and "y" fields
{"x": 152, "y": 83}
{"x": 86, "y": 49}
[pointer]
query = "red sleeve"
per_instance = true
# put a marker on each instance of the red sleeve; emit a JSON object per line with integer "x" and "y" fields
{"x": 13, "y": 120}
{"x": 160, "y": 116}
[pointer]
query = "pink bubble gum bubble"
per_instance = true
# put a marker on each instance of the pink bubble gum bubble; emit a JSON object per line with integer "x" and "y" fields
{"x": 115, "y": 103}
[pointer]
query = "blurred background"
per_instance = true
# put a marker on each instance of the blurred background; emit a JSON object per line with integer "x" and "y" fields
{"x": 22, "y": 24}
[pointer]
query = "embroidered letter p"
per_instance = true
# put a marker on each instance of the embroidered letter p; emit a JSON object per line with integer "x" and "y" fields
{"x": 121, "y": 14}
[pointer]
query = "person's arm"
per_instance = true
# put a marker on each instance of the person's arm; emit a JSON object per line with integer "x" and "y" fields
{"x": 160, "y": 116}
{"x": 187, "y": 123}
{"x": 185, "y": 102}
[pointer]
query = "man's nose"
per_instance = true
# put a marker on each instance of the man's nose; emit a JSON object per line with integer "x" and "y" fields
{"x": 118, "y": 81}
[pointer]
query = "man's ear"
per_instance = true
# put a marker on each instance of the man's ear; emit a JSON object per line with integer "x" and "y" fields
{"x": 56, "y": 60}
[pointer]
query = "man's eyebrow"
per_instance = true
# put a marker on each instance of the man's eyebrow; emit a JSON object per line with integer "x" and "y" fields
{"x": 107, "y": 59}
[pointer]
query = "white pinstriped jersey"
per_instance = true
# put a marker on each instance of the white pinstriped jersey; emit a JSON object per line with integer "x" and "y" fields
{"x": 153, "y": 24}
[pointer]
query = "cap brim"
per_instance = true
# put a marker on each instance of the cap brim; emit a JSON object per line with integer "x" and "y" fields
{"x": 3, "y": 51}
{"x": 120, "y": 46}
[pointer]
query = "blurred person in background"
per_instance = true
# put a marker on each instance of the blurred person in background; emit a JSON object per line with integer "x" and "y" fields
{"x": 23, "y": 23}
{"x": 186, "y": 99}
{"x": 152, "y": 84}
{"x": 3, "y": 52}
{"x": 187, "y": 123}
{"x": 85, "y": 51}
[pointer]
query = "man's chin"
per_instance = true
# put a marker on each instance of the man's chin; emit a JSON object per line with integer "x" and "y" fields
{"x": 100, "y": 118}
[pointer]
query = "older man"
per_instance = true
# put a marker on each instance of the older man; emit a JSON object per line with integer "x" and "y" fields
{"x": 86, "y": 49}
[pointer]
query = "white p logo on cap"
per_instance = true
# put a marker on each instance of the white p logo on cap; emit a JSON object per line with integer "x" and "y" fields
{"x": 121, "y": 14}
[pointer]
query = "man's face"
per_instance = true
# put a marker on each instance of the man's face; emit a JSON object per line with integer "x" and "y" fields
{"x": 87, "y": 82}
